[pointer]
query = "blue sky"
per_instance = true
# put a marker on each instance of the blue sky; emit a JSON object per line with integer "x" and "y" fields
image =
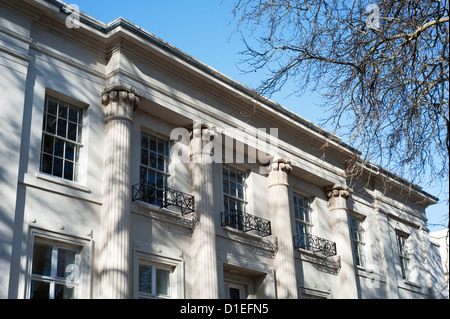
{"x": 204, "y": 30}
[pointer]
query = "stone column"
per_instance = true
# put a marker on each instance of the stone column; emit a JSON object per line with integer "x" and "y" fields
{"x": 115, "y": 276}
{"x": 205, "y": 283}
{"x": 284, "y": 264}
{"x": 337, "y": 205}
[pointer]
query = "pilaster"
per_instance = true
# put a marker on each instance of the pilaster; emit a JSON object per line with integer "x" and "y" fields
{"x": 120, "y": 104}
{"x": 284, "y": 263}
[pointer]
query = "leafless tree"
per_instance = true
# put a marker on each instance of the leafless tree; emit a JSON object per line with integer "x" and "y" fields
{"x": 382, "y": 67}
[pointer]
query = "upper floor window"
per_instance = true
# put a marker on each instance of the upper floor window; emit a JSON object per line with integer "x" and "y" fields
{"x": 403, "y": 252}
{"x": 357, "y": 237}
{"x": 234, "y": 197}
{"x": 61, "y": 138}
{"x": 303, "y": 222}
{"x": 55, "y": 269}
{"x": 154, "y": 171}
{"x": 234, "y": 189}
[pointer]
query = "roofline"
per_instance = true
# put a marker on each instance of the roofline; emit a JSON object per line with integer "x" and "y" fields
{"x": 252, "y": 94}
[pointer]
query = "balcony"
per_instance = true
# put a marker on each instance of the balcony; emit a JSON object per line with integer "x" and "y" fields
{"x": 246, "y": 222}
{"x": 164, "y": 197}
{"x": 315, "y": 244}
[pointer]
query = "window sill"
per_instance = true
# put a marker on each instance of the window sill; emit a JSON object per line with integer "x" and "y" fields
{"x": 63, "y": 182}
{"x": 62, "y": 187}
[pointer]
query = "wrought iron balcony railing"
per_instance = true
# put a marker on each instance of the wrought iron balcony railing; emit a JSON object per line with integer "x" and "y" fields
{"x": 164, "y": 197}
{"x": 246, "y": 222}
{"x": 315, "y": 244}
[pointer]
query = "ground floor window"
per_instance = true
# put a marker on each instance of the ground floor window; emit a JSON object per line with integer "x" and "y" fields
{"x": 154, "y": 280}
{"x": 54, "y": 270}
{"x": 235, "y": 291}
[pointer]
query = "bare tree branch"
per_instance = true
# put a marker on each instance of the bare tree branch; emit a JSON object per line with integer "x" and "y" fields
{"x": 382, "y": 68}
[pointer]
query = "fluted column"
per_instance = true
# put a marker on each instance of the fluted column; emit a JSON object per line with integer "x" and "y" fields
{"x": 204, "y": 236}
{"x": 337, "y": 205}
{"x": 115, "y": 251}
{"x": 284, "y": 264}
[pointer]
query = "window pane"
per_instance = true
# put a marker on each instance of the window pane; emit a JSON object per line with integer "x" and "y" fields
{"x": 70, "y": 152}
{"x": 50, "y": 125}
{"x": 52, "y": 105}
{"x": 226, "y": 205}
{"x": 233, "y": 175}
{"x": 68, "y": 170}
{"x": 64, "y": 292}
{"x": 152, "y": 162}
{"x": 234, "y": 293}
{"x": 233, "y": 189}
{"x": 144, "y": 157}
{"x": 72, "y": 131}
{"x": 42, "y": 259}
{"x": 145, "y": 279}
{"x": 240, "y": 191}
{"x": 152, "y": 142}
{"x": 300, "y": 201}
{"x": 161, "y": 165}
{"x": 161, "y": 147}
{"x": 48, "y": 144}
{"x": 160, "y": 180}
{"x": 63, "y": 110}
{"x": 47, "y": 164}
{"x": 57, "y": 167}
{"x": 66, "y": 258}
{"x": 62, "y": 128}
{"x": 144, "y": 141}
{"x": 59, "y": 148}
{"x": 162, "y": 281}
{"x": 40, "y": 290}
{"x": 73, "y": 114}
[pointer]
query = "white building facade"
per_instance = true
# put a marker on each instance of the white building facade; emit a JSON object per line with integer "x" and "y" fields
{"x": 131, "y": 170}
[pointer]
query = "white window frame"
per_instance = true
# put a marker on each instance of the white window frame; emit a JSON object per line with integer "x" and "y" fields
{"x": 358, "y": 241}
{"x": 154, "y": 266}
{"x": 79, "y": 280}
{"x": 307, "y": 225}
{"x": 404, "y": 255}
{"x": 77, "y": 144}
{"x": 227, "y": 195}
{"x": 167, "y": 150}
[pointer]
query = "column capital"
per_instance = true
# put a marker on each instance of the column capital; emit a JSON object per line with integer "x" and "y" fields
{"x": 203, "y": 137}
{"x": 337, "y": 196}
{"x": 279, "y": 169}
{"x": 120, "y": 103}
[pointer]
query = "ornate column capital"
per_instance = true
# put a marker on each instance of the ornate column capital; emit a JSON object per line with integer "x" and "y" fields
{"x": 279, "y": 170}
{"x": 120, "y": 103}
{"x": 337, "y": 196}
{"x": 202, "y": 137}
